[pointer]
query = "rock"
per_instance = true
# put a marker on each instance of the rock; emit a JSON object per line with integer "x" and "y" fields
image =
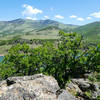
{"x": 95, "y": 94}
{"x": 96, "y": 87}
{"x": 65, "y": 95}
{"x": 84, "y": 97}
{"x": 73, "y": 87}
{"x": 87, "y": 75}
{"x": 36, "y": 87}
{"x": 83, "y": 85}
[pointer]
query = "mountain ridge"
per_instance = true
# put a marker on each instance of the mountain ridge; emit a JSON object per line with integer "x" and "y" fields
{"x": 91, "y": 31}
{"x": 24, "y": 26}
{"x": 47, "y": 27}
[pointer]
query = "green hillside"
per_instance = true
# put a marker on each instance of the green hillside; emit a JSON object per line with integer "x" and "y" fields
{"x": 46, "y": 29}
{"x": 25, "y": 26}
{"x": 90, "y": 31}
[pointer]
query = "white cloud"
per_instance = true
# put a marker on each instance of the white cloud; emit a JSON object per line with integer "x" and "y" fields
{"x": 24, "y": 5}
{"x": 30, "y": 18}
{"x": 46, "y": 17}
{"x": 95, "y": 14}
{"x": 30, "y": 11}
{"x": 59, "y": 17}
{"x": 80, "y": 19}
{"x": 73, "y": 16}
{"x": 88, "y": 18}
{"x": 51, "y": 9}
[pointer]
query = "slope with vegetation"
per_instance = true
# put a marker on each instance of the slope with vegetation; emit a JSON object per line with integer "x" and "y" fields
{"x": 25, "y": 26}
{"x": 29, "y": 29}
{"x": 90, "y": 31}
{"x": 24, "y": 30}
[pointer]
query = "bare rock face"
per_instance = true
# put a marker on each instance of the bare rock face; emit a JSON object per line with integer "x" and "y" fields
{"x": 36, "y": 87}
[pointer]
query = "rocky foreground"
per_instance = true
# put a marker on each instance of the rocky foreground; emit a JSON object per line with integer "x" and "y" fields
{"x": 41, "y": 87}
{"x": 36, "y": 87}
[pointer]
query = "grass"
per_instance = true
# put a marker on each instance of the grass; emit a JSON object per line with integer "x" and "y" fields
{"x": 44, "y": 35}
{"x": 39, "y": 37}
{"x": 88, "y": 93}
{"x": 4, "y": 49}
{"x": 8, "y": 37}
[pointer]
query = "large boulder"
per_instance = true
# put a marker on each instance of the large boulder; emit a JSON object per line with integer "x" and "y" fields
{"x": 36, "y": 87}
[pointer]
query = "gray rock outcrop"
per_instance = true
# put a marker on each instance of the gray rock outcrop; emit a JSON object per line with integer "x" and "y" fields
{"x": 36, "y": 87}
{"x": 83, "y": 87}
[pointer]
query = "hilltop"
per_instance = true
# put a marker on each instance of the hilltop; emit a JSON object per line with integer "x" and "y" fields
{"x": 46, "y": 29}
{"x": 26, "y": 26}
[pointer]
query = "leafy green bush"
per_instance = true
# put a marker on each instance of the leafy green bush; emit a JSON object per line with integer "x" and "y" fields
{"x": 67, "y": 58}
{"x": 98, "y": 98}
{"x": 95, "y": 77}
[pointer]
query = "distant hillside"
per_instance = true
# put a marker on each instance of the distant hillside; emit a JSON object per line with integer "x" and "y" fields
{"x": 91, "y": 31}
{"x": 25, "y": 26}
{"x": 30, "y": 29}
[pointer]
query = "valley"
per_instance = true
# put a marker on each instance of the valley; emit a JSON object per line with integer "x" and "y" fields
{"x": 12, "y": 31}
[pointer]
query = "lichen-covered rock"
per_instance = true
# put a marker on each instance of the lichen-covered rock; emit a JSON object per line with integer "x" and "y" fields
{"x": 73, "y": 88}
{"x": 85, "y": 89}
{"x": 65, "y": 95}
{"x": 36, "y": 87}
{"x": 83, "y": 85}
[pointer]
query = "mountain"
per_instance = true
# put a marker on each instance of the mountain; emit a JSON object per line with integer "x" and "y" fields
{"x": 90, "y": 31}
{"x": 31, "y": 28}
{"x": 26, "y": 26}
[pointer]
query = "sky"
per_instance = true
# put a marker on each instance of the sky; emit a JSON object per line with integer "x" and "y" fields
{"x": 77, "y": 12}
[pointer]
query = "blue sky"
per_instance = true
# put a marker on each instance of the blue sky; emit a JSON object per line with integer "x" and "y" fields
{"x": 67, "y": 11}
